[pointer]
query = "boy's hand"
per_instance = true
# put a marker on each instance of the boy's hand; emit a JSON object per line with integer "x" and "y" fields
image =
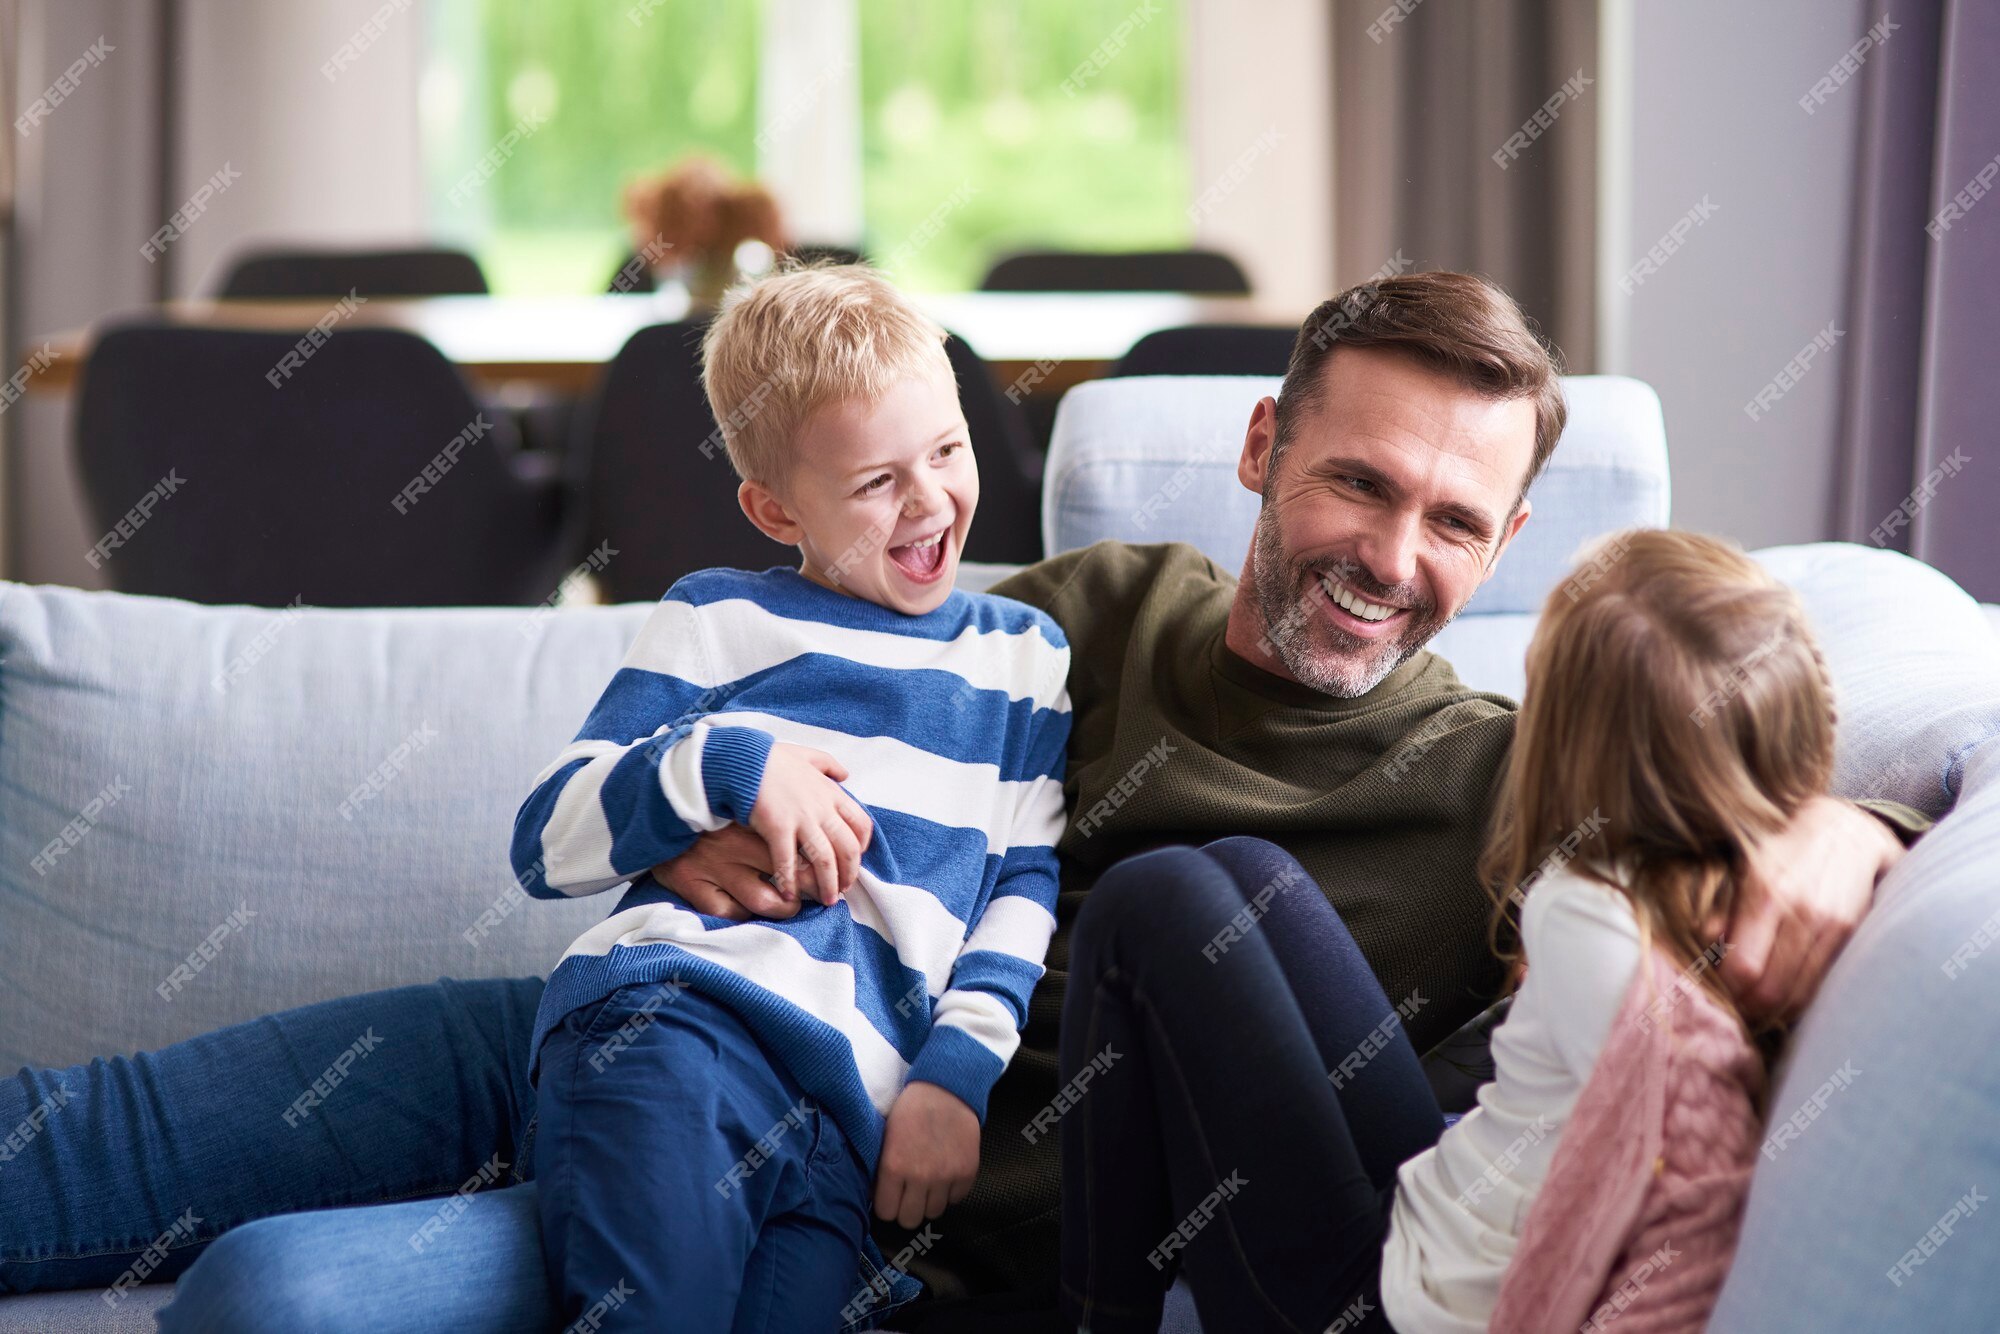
{"x": 800, "y": 808}
{"x": 930, "y": 1154}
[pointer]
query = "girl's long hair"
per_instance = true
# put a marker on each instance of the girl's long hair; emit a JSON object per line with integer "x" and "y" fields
{"x": 1677, "y": 710}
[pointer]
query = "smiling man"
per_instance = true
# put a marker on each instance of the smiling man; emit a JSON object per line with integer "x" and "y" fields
{"x": 1377, "y": 534}
{"x": 1297, "y": 703}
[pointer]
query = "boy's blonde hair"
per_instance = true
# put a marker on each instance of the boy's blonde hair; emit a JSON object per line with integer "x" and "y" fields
{"x": 801, "y": 338}
{"x": 1677, "y": 711}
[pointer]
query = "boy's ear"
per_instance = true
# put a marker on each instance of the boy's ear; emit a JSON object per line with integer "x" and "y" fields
{"x": 774, "y": 520}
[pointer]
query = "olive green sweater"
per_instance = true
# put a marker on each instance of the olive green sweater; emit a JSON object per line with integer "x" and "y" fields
{"x": 1384, "y": 799}
{"x": 1176, "y": 739}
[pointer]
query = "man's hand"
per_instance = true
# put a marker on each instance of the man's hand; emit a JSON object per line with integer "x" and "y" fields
{"x": 801, "y": 809}
{"x": 727, "y": 874}
{"x": 1807, "y": 889}
{"x": 930, "y": 1154}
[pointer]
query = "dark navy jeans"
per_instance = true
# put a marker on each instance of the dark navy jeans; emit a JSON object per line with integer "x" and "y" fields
{"x": 1238, "y": 1094}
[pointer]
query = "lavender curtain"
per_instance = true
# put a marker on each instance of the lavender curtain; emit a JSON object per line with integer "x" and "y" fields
{"x": 1921, "y": 410}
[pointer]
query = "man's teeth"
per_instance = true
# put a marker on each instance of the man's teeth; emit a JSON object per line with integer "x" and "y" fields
{"x": 1367, "y": 611}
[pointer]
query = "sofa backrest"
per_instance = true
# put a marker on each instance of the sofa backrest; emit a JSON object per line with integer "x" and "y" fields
{"x": 1153, "y": 459}
{"x": 288, "y": 805}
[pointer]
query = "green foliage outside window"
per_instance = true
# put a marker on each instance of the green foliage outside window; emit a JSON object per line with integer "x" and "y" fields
{"x": 985, "y": 127}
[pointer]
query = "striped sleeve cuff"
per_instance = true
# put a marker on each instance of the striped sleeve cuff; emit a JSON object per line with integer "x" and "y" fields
{"x": 960, "y": 1064}
{"x": 732, "y": 769}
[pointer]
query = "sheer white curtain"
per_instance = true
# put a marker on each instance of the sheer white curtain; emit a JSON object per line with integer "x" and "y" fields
{"x": 1258, "y": 103}
{"x": 809, "y": 116}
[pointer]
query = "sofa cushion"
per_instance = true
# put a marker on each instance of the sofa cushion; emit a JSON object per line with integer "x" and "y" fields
{"x": 1881, "y": 1125}
{"x": 287, "y": 805}
{"x": 1916, "y": 668}
{"x": 84, "y": 1312}
{"x": 1153, "y": 459}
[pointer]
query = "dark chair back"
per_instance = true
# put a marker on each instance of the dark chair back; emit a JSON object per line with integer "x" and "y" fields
{"x": 659, "y": 487}
{"x": 1008, "y": 526}
{"x": 277, "y": 471}
{"x": 1202, "y": 272}
{"x": 1210, "y": 349}
{"x": 661, "y": 491}
{"x": 374, "y": 273}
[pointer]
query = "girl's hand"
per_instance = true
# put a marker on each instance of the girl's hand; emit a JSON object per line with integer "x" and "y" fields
{"x": 930, "y": 1155}
{"x": 801, "y": 809}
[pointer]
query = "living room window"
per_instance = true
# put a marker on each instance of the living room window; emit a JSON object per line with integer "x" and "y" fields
{"x": 978, "y": 127}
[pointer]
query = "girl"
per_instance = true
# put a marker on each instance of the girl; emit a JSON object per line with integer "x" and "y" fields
{"x": 1296, "y": 1167}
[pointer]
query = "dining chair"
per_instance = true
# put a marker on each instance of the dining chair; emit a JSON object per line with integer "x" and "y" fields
{"x": 271, "y": 272}
{"x": 235, "y": 466}
{"x": 1201, "y": 272}
{"x": 1210, "y": 349}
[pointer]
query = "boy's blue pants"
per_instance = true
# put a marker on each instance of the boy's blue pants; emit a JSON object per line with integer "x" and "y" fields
{"x": 686, "y": 1181}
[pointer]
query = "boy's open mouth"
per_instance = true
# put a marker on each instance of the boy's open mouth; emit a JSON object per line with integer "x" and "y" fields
{"x": 921, "y": 561}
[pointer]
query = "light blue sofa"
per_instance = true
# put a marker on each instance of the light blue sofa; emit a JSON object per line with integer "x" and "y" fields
{"x": 237, "y": 742}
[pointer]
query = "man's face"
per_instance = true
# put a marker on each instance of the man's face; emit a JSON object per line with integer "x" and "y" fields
{"x": 1383, "y": 515}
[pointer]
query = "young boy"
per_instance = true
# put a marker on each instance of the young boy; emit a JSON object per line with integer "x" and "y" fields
{"x": 714, "y": 1097}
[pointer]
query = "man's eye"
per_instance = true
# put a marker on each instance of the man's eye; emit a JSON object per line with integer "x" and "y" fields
{"x": 1360, "y": 484}
{"x": 1460, "y": 524}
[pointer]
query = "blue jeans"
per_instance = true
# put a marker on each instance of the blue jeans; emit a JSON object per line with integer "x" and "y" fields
{"x": 240, "y": 1162}
{"x": 141, "y": 1164}
{"x": 687, "y": 1181}
{"x": 1243, "y": 1095}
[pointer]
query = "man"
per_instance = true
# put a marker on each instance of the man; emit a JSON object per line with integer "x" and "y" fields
{"x": 1298, "y": 704}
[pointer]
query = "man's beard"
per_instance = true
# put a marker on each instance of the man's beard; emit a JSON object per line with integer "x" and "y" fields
{"x": 1300, "y": 631}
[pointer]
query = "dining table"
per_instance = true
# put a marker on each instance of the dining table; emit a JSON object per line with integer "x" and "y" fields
{"x": 1037, "y": 343}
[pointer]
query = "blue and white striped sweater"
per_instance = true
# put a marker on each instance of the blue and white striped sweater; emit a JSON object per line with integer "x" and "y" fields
{"x": 952, "y": 726}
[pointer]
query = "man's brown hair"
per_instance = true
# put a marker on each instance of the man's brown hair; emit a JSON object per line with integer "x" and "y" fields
{"x": 1456, "y": 323}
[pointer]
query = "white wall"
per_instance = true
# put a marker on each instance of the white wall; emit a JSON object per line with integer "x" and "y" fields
{"x": 809, "y": 116}
{"x": 324, "y": 160}
{"x": 320, "y": 160}
{"x": 1715, "y": 116}
{"x": 85, "y": 181}
{"x": 1249, "y": 69}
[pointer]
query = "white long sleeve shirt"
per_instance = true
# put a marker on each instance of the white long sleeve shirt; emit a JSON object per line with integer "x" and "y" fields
{"x": 1460, "y": 1204}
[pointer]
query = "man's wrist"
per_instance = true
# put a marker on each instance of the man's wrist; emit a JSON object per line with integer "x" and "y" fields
{"x": 1903, "y": 824}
